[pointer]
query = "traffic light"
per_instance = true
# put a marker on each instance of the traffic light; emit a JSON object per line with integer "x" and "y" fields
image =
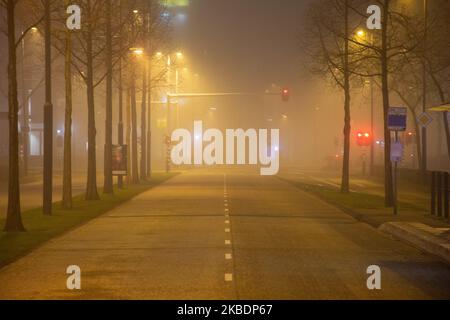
{"x": 363, "y": 139}
{"x": 285, "y": 94}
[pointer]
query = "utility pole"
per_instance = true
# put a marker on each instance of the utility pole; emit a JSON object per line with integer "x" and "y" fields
{"x": 48, "y": 117}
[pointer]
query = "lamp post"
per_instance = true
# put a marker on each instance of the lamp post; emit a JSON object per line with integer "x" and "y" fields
{"x": 136, "y": 53}
{"x": 25, "y": 133}
{"x": 362, "y": 34}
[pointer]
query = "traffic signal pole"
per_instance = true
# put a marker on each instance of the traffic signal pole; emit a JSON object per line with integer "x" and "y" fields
{"x": 394, "y": 181}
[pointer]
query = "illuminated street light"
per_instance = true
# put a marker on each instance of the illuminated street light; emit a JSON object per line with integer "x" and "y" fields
{"x": 360, "y": 33}
{"x": 137, "y": 51}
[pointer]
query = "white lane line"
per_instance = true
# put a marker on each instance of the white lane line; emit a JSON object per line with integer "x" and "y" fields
{"x": 227, "y": 242}
{"x": 227, "y": 256}
{"x": 227, "y": 221}
{"x": 228, "y": 277}
{"x": 226, "y": 210}
{"x": 227, "y": 230}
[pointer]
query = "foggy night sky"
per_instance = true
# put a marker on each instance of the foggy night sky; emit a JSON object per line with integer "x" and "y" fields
{"x": 242, "y": 44}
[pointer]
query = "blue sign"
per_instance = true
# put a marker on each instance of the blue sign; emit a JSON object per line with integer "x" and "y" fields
{"x": 397, "y": 118}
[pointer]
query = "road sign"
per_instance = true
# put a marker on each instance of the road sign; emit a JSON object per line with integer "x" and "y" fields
{"x": 119, "y": 160}
{"x": 396, "y": 151}
{"x": 397, "y": 118}
{"x": 424, "y": 119}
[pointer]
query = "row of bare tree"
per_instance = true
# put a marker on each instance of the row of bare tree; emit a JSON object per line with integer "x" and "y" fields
{"x": 98, "y": 53}
{"x": 409, "y": 57}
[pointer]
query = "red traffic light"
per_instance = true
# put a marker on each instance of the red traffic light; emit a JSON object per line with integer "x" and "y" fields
{"x": 285, "y": 94}
{"x": 363, "y": 139}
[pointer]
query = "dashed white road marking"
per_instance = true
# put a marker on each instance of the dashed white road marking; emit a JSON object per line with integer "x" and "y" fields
{"x": 227, "y": 221}
{"x": 227, "y": 230}
{"x": 227, "y": 256}
{"x": 228, "y": 277}
{"x": 227, "y": 242}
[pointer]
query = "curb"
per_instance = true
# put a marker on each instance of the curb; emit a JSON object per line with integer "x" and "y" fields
{"x": 435, "y": 241}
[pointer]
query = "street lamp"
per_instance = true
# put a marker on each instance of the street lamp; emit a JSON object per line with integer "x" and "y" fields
{"x": 362, "y": 34}
{"x": 137, "y": 51}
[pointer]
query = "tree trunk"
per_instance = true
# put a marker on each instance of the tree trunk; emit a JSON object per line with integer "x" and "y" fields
{"x": 388, "y": 187}
{"x": 13, "y": 215}
{"x": 143, "y": 171}
{"x": 149, "y": 125}
{"x": 48, "y": 117}
{"x": 67, "y": 170}
{"x": 149, "y": 95}
{"x": 447, "y": 132}
{"x": 108, "y": 178}
{"x": 134, "y": 144}
{"x": 91, "y": 188}
{"x": 345, "y": 184}
{"x": 418, "y": 143}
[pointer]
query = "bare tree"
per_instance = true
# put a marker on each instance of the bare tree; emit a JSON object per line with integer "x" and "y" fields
{"x": 108, "y": 179}
{"x": 437, "y": 58}
{"x": 335, "y": 57}
{"x": 13, "y": 216}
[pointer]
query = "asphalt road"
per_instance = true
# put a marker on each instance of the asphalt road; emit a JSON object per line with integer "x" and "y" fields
{"x": 225, "y": 235}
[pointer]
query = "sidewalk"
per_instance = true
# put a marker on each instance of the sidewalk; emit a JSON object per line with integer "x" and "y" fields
{"x": 31, "y": 190}
{"x": 365, "y": 202}
{"x": 366, "y": 199}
